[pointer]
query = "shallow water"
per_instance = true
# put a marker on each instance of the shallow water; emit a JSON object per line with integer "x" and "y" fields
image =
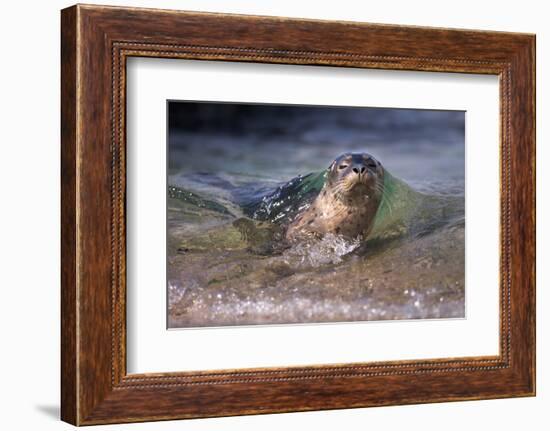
{"x": 224, "y": 263}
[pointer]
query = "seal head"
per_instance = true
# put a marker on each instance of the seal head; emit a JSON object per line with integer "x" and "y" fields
{"x": 348, "y": 201}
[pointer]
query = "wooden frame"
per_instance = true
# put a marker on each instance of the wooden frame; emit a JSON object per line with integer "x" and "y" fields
{"x": 96, "y": 41}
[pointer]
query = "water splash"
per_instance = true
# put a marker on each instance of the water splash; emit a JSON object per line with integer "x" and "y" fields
{"x": 318, "y": 252}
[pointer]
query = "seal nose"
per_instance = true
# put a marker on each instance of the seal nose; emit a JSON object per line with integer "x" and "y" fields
{"x": 359, "y": 169}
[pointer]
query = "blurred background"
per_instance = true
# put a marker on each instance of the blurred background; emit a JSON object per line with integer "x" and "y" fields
{"x": 279, "y": 142}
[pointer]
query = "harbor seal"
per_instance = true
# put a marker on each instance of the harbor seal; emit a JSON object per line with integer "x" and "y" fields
{"x": 356, "y": 199}
{"x": 348, "y": 202}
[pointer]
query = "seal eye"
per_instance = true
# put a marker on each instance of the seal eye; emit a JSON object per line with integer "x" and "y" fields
{"x": 371, "y": 163}
{"x": 342, "y": 166}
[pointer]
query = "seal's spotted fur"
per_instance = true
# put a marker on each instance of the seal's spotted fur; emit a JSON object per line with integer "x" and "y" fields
{"x": 348, "y": 201}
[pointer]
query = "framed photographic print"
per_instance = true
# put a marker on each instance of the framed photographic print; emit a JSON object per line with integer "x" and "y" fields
{"x": 265, "y": 215}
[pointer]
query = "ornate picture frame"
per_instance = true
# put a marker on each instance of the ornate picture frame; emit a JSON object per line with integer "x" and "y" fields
{"x": 96, "y": 41}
